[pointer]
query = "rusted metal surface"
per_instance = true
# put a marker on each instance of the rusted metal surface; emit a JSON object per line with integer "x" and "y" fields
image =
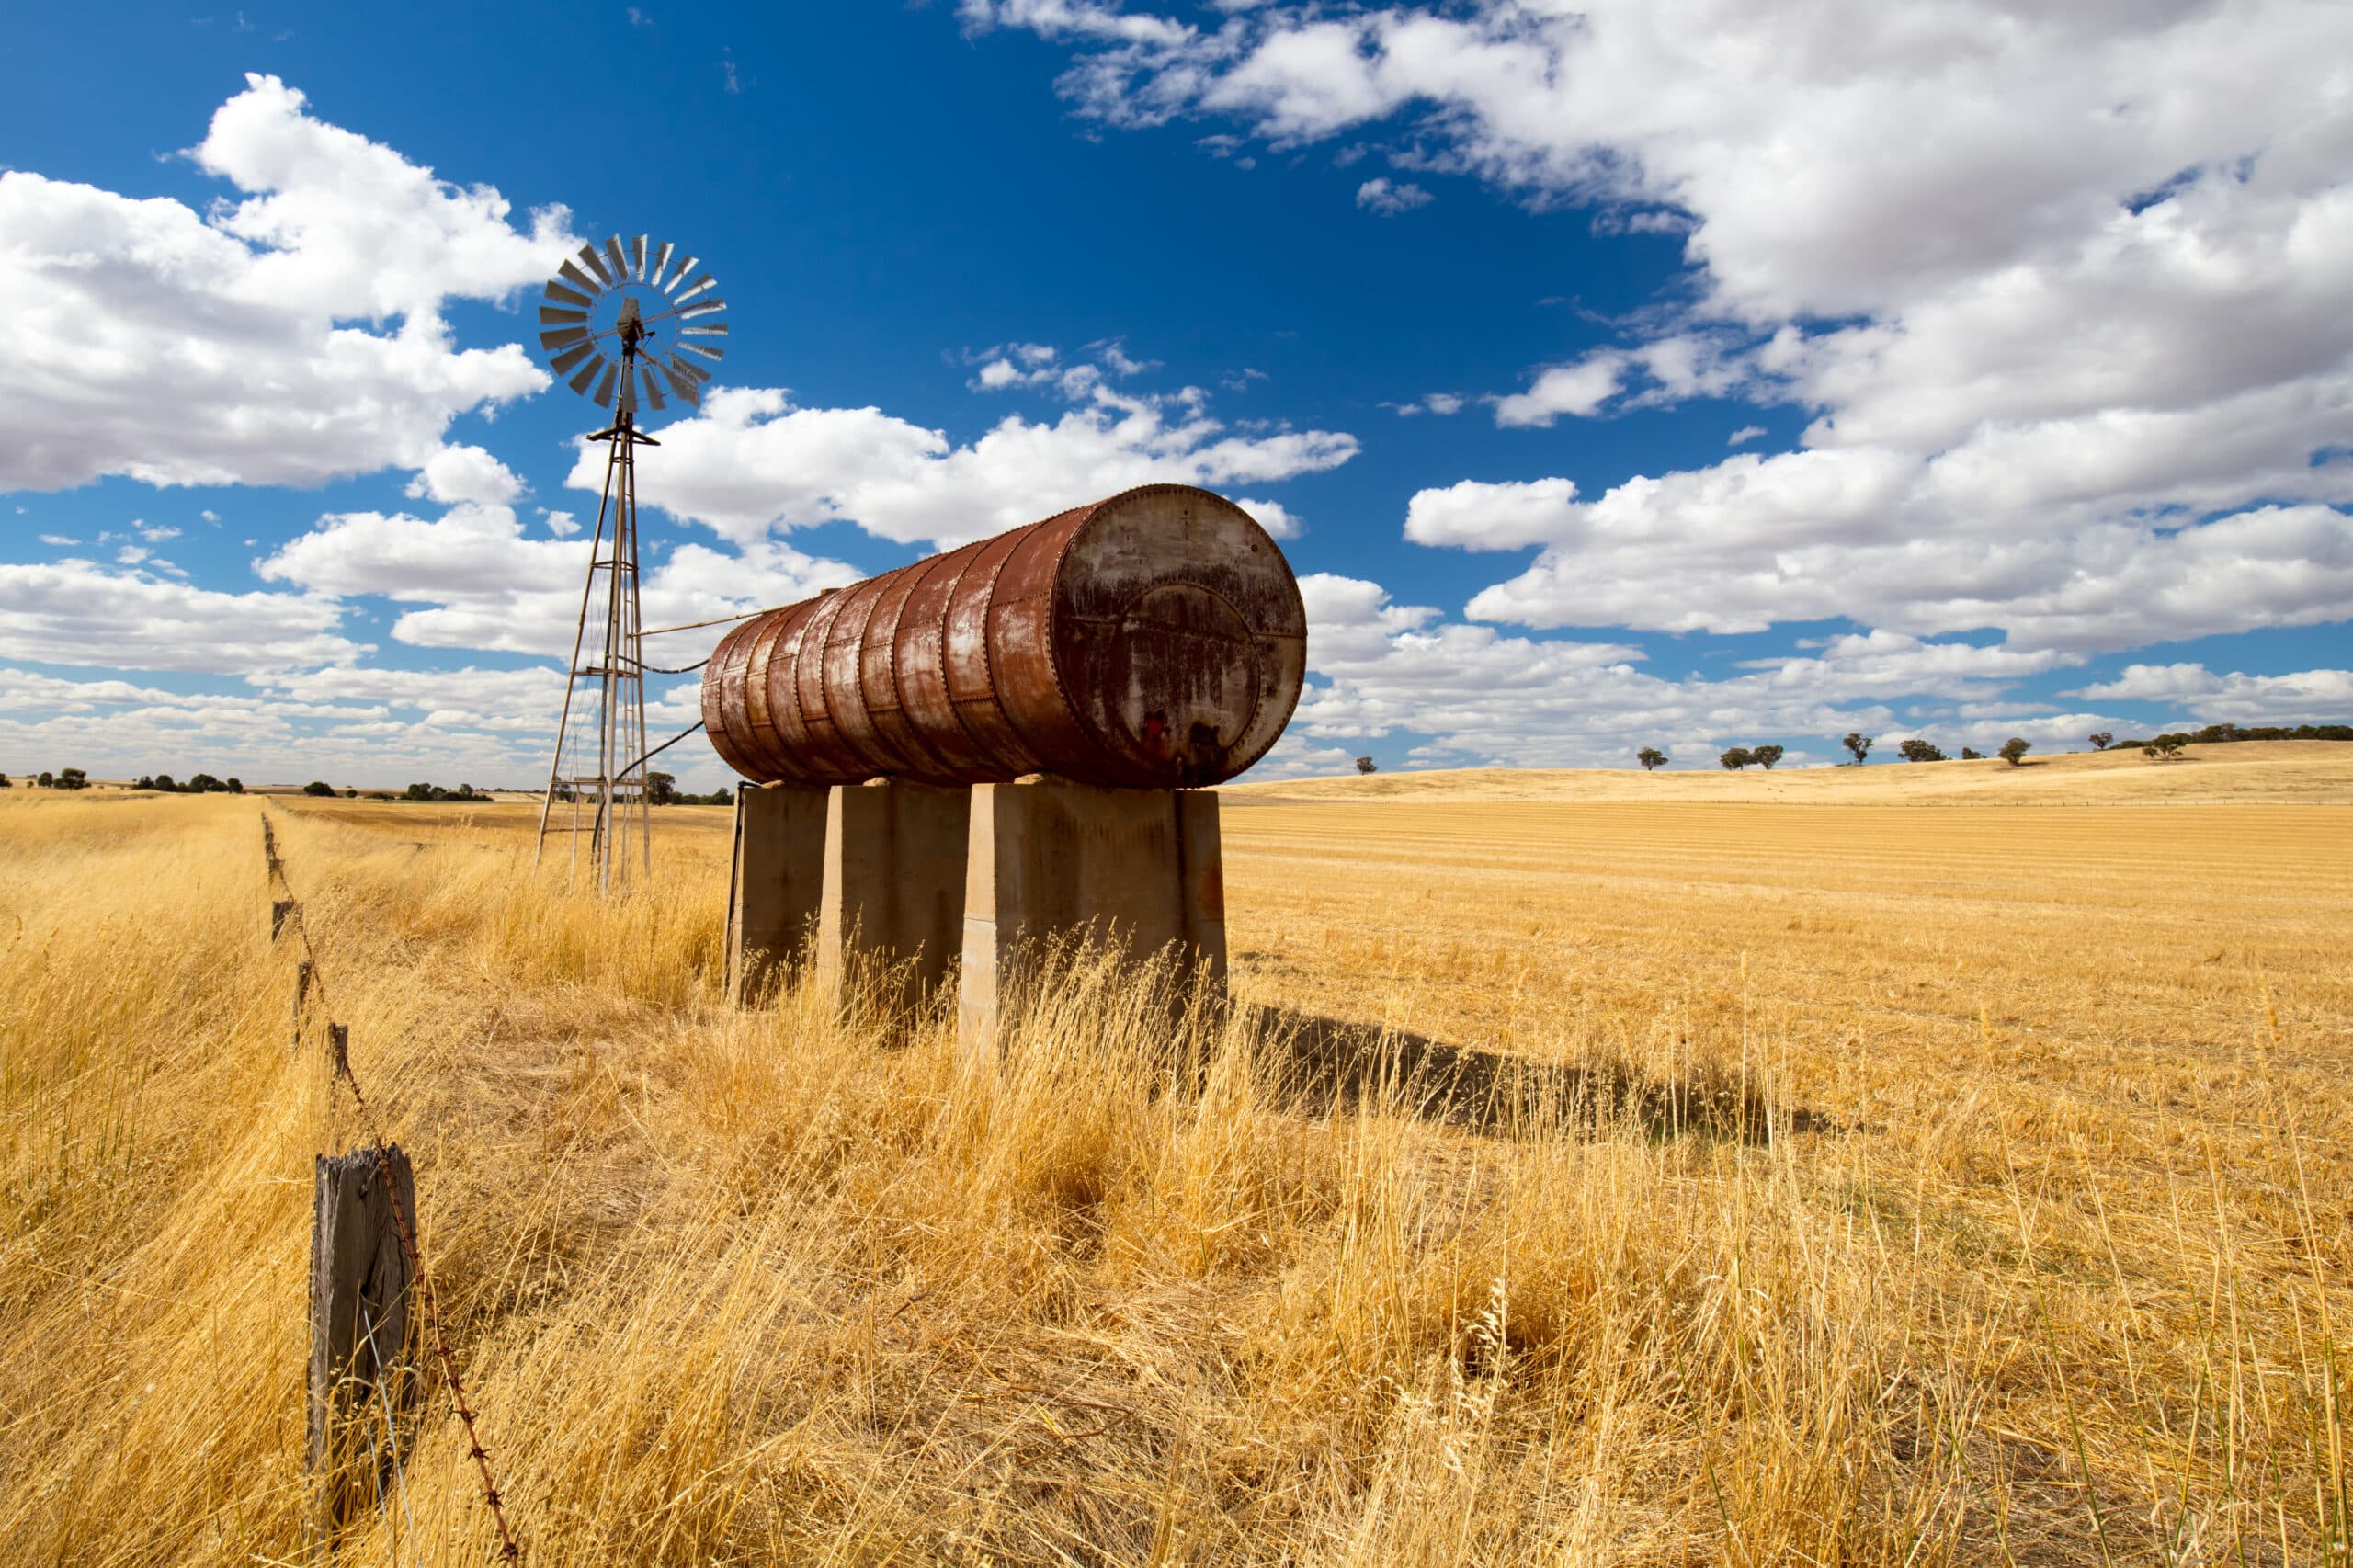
{"x": 1154, "y": 640}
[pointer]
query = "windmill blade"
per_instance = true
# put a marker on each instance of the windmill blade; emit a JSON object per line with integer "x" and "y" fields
{"x": 713, "y": 353}
{"x": 589, "y": 373}
{"x": 550, "y": 314}
{"x": 707, "y": 308}
{"x": 652, "y": 388}
{"x": 637, "y": 258}
{"x": 705, "y": 281}
{"x": 619, "y": 262}
{"x": 562, "y": 364}
{"x": 604, "y": 388}
{"x": 683, "y": 384}
{"x": 685, "y": 371}
{"x": 662, "y": 264}
{"x": 685, "y": 270}
{"x": 595, "y": 265}
{"x": 707, "y": 329}
{"x": 562, "y": 338}
{"x": 558, "y": 292}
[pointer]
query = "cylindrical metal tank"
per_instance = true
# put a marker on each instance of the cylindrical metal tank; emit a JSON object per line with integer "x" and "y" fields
{"x": 1155, "y": 639}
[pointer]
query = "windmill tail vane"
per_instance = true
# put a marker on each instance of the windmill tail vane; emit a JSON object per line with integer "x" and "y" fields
{"x": 621, "y": 324}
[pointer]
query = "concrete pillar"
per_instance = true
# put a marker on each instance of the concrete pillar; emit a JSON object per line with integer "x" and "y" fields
{"x": 893, "y": 886}
{"x": 780, "y": 875}
{"x": 1047, "y": 858}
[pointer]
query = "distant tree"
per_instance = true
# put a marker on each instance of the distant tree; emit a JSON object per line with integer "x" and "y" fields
{"x": 204, "y": 784}
{"x": 235, "y": 786}
{"x": 1737, "y": 758}
{"x": 47, "y": 780}
{"x": 2165, "y": 748}
{"x": 348, "y": 794}
{"x": 1917, "y": 750}
{"x": 1766, "y": 756}
{"x": 2102, "y": 739}
{"x": 379, "y": 795}
{"x": 661, "y": 789}
{"x": 3, "y": 782}
{"x": 318, "y": 787}
{"x": 2014, "y": 750}
{"x": 1366, "y": 764}
{"x": 1970, "y": 753}
{"x": 163, "y": 781}
{"x": 1650, "y": 758}
{"x": 1858, "y": 743}
{"x": 420, "y": 792}
{"x": 73, "y": 778}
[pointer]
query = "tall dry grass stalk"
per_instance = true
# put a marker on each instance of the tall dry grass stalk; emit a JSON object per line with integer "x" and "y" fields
{"x": 1242, "y": 1287}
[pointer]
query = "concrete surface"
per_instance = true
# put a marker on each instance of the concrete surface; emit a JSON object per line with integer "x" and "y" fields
{"x": 1048, "y": 859}
{"x": 779, "y": 878}
{"x": 893, "y": 888}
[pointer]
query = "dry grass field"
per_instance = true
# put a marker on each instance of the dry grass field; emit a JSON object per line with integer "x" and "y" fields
{"x": 1902, "y": 1165}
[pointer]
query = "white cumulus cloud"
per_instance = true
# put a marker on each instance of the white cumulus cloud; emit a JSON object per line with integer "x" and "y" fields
{"x": 286, "y": 338}
{"x": 2068, "y": 291}
{"x": 751, "y": 461}
{"x": 1389, "y": 197}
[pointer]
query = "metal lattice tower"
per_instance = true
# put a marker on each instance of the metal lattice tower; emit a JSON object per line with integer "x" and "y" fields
{"x": 618, "y": 303}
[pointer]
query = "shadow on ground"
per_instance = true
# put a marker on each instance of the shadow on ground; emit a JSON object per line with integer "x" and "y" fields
{"x": 1330, "y": 1064}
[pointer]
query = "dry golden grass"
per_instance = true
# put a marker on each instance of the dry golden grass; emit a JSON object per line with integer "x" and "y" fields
{"x": 2040, "y": 1255}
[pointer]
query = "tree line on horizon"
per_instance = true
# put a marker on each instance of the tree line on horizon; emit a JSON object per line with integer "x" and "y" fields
{"x": 661, "y": 788}
{"x": 1918, "y": 748}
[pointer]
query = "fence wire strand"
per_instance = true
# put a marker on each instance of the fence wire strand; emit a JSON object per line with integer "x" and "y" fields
{"x": 312, "y": 981}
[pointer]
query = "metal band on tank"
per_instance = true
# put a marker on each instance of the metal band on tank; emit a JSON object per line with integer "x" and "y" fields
{"x": 783, "y": 680}
{"x": 722, "y": 702}
{"x": 1027, "y": 675}
{"x": 877, "y": 678}
{"x": 845, "y": 691}
{"x": 972, "y": 682}
{"x": 764, "y": 741}
{"x": 828, "y": 756}
{"x": 919, "y": 665}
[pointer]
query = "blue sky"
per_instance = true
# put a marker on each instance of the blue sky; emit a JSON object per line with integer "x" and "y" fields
{"x": 1679, "y": 373}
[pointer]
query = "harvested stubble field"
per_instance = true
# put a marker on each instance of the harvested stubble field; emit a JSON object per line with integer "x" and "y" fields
{"x": 1906, "y": 1165}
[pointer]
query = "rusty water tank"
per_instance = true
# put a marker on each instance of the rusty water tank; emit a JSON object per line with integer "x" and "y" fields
{"x": 1155, "y": 639}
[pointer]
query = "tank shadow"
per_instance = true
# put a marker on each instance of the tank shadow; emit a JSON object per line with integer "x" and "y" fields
{"x": 1326, "y": 1065}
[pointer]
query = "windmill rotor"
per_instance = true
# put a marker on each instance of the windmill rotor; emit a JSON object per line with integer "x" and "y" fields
{"x": 619, "y": 322}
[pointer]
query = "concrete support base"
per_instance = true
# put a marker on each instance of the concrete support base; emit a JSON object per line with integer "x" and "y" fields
{"x": 894, "y": 897}
{"x": 1047, "y": 858}
{"x": 780, "y": 875}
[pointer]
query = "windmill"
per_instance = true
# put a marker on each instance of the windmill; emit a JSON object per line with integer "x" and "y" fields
{"x": 621, "y": 324}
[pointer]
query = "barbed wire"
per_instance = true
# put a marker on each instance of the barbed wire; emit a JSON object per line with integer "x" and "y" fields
{"x": 310, "y": 977}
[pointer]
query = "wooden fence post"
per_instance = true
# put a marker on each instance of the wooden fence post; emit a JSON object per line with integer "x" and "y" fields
{"x": 301, "y": 995}
{"x": 361, "y": 1374}
{"x": 280, "y": 909}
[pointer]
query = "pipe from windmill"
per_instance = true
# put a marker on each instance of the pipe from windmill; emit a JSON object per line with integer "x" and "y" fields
{"x": 1155, "y": 639}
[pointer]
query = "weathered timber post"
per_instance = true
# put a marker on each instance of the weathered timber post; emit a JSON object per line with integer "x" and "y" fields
{"x": 362, "y": 1374}
{"x": 301, "y": 995}
{"x": 280, "y": 911}
{"x": 339, "y": 1049}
